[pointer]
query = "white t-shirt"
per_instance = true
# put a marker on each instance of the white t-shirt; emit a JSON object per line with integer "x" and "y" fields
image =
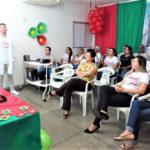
{"x": 65, "y": 59}
{"x": 97, "y": 58}
{"x": 5, "y": 44}
{"x": 78, "y": 59}
{"x": 111, "y": 61}
{"x": 133, "y": 80}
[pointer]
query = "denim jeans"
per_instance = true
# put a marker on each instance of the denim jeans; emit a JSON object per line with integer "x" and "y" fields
{"x": 42, "y": 73}
{"x": 140, "y": 111}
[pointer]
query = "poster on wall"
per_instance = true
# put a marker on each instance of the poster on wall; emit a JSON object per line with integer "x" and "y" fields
{"x": 146, "y": 29}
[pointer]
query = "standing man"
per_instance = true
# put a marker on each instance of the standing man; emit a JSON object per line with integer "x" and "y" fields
{"x": 7, "y": 56}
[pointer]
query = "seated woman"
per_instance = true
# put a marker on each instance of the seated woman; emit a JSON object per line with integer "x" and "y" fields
{"x": 85, "y": 72}
{"x": 140, "y": 111}
{"x": 78, "y": 57}
{"x": 134, "y": 82}
{"x": 125, "y": 60}
{"x": 67, "y": 57}
{"x": 110, "y": 61}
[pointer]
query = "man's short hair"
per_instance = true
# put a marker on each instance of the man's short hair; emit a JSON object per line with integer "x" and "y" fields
{"x": 1, "y": 24}
{"x": 48, "y": 48}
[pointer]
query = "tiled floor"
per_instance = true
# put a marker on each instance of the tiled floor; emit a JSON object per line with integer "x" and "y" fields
{"x": 67, "y": 134}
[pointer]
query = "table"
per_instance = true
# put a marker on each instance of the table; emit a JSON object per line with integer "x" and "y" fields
{"x": 38, "y": 82}
{"x": 19, "y": 124}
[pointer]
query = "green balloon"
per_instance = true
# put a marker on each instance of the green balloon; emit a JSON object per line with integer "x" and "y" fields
{"x": 46, "y": 140}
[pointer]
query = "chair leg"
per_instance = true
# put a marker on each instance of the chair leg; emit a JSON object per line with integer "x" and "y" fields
{"x": 118, "y": 114}
{"x": 127, "y": 116}
{"x": 61, "y": 101}
{"x": 84, "y": 97}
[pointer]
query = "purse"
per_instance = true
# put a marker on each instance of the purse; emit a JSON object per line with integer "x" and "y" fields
{"x": 2, "y": 99}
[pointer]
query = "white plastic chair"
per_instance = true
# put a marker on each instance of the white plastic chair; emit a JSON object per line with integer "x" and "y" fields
{"x": 126, "y": 110}
{"x": 105, "y": 78}
{"x": 62, "y": 67}
{"x": 58, "y": 78}
{"x": 83, "y": 96}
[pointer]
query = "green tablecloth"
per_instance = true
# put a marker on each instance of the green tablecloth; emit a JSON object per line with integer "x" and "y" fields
{"x": 20, "y": 133}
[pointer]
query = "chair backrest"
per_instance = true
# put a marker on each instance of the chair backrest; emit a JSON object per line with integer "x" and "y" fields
{"x": 62, "y": 75}
{"x": 106, "y": 73}
{"x": 62, "y": 67}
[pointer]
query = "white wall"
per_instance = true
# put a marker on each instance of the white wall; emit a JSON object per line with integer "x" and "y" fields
{"x": 19, "y": 17}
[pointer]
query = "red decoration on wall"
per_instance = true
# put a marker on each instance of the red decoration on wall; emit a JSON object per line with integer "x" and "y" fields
{"x": 41, "y": 39}
{"x": 95, "y": 20}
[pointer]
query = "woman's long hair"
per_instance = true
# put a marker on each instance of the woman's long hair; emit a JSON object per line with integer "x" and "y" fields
{"x": 70, "y": 50}
{"x": 142, "y": 63}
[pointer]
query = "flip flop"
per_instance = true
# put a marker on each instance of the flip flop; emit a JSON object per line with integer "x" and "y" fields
{"x": 128, "y": 146}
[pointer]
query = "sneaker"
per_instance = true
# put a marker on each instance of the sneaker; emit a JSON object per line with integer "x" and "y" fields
{"x": 14, "y": 92}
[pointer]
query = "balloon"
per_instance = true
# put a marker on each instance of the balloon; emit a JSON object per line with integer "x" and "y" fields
{"x": 46, "y": 141}
{"x": 102, "y": 12}
{"x": 98, "y": 24}
{"x": 94, "y": 19}
{"x": 99, "y": 28}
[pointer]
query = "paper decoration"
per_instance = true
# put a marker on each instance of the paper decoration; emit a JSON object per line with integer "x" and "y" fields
{"x": 41, "y": 27}
{"x": 33, "y": 33}
{"x": 41, "y": 39}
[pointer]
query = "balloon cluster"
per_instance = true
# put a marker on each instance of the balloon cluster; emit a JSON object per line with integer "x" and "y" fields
{"x": 95, "y": 20}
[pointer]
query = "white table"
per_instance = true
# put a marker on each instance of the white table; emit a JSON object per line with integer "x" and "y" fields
{"x": 37, "y": 65}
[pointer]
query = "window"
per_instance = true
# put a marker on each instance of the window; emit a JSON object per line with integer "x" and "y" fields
{"x": 81, "y": 35}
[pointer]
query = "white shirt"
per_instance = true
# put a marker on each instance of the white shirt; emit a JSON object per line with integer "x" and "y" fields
{"x": 111, "y": 61}
{"x": 65, "y": 59}
{"x": 133, "y": 80}
{"x": 5, "y": 44}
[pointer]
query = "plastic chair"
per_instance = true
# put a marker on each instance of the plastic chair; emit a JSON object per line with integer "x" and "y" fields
{"x": 83, "y": 96}
{"x": 105, "y": 78}
{"x": 58, "y": 78}
{"x": 125, "y": 110}
{"x": 62, "y": 67}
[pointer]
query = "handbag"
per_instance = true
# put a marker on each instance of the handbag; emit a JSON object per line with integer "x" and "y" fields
{"x": 2, "y": 99}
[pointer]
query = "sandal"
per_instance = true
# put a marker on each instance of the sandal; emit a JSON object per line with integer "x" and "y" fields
{"x": 128, "y": 146}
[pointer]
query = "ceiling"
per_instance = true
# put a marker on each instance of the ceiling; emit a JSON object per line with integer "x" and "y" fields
{"x": 102, "y": 2}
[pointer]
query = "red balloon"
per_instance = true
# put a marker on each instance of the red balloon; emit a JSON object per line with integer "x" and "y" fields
{"x": 99, "y": 28}
{"x": 97, "y": 14}
{"x": 99, "y": 18}
{"x": 94, "y": 19}
{"x": 91, "y": 27}
{"x": 98, "y": 24}
{"x": 102, "y": 12}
